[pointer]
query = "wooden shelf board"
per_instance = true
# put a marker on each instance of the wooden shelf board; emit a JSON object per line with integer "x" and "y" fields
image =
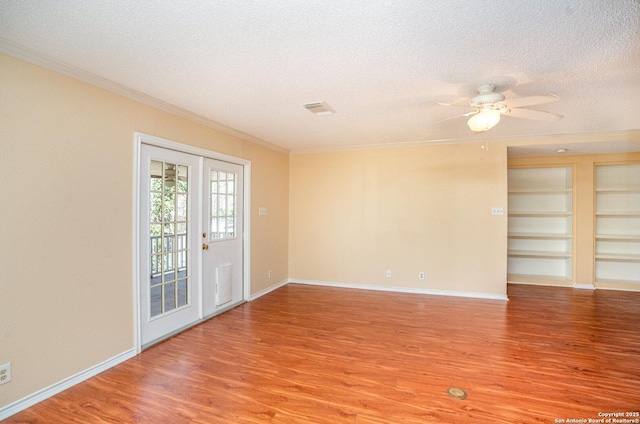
{"x": 611, "y": 281}
{"x": 540, "y": 191}
{"x": 526, "y": 278}
{"x": 618, "y": 237}
{"x": 540, "y": 236}
{"x": 618, "y": 190}
{"x": 538, "y": 254}
{"x": 618, "y": 257}
{"x": 540, "y": 213}
{"x": 618, "y": 214}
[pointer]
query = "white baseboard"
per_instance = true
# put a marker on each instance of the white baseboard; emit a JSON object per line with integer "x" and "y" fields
{"x": 47, "y": 392}
{"x": 400, "y": 289}
{"x": 584, "y": 286}
{"x": 268, "y": 290}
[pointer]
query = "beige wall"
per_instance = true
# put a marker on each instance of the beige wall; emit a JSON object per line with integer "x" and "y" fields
{"x": 66, "y": 220}
{"x": 355, "y": 214}
{"x": 584, "y": 202}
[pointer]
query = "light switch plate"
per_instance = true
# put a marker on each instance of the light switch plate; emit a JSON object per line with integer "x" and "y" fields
{"x": 497, "y": 211}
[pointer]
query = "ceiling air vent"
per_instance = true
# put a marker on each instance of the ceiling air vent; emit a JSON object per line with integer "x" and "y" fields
{"x": 319, "y": 108}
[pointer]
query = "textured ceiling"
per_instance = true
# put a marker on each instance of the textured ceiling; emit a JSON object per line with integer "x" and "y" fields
{"x": 382, "y": 65}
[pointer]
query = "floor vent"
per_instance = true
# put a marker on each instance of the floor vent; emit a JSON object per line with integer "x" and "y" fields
{"x": 456, "y": 392}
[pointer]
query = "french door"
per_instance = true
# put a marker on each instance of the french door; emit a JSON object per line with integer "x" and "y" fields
{"x": 190, "y": 240}
{"x": 222, "y": 235}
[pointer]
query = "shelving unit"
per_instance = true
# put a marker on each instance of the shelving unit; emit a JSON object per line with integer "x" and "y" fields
{"x": 540, "y": 243}
{"x": 617, "y": 215}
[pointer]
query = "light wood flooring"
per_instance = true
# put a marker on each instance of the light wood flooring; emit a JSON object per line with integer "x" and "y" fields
{"x": 306, "y": 354}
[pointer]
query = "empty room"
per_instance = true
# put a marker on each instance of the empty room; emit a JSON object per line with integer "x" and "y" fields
{"x": 320, "y": 212}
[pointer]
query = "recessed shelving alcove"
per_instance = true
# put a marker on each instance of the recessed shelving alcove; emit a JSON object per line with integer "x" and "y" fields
{"x": 617, "y": 217}
{"x": 540, "y": 234}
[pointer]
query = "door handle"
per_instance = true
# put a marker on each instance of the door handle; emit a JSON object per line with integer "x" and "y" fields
{"x": 205, "y": 246}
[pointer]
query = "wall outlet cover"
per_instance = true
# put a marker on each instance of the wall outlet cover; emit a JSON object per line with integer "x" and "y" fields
{"x": 5, "y": 373}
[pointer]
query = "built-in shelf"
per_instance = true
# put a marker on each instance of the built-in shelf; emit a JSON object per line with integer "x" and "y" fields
{"x": 540, "y": 191}
{"x": 619, "y": 214}
{"x": 618, "y": 190}
{"x": 535, "y": 278}
{"x": 538, "y": 254}
{"x": 543, "y": 236}
{"x": 623, "y": 257}
{"x": 617, "y": 255}
{"x": 609, "y": 282}
{"x": 539, "y": 213}
{"x": 620, "y": 237}
{"x": 540, "y": 241}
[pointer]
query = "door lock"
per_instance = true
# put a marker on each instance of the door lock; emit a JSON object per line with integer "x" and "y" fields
{"x": 205, "y": 246}
{"x": 204, "y": 235}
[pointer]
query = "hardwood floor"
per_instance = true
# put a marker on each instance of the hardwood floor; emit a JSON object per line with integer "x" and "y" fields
{"x": 305, "y": 354}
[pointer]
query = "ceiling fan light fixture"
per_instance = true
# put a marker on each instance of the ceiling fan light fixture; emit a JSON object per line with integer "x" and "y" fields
{"x": 484, "y": 120}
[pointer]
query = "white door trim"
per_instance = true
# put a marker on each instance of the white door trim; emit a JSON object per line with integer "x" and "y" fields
{"x": 139, "y": 140}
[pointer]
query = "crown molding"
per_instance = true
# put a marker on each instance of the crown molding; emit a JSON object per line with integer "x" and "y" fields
{"x": 352, "y": 147}
{"x": 623, "y": 135}
{"x": 585, "y": 137}
{"x": 46, "y": 62}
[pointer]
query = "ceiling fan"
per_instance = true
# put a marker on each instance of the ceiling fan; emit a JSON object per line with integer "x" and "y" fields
{"x": 489, "y": 105}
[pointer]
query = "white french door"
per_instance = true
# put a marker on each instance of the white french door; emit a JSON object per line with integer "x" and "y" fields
{"x": 222, "y": 237}
{"x": 191, "y": 239}
{"x": 170, "y": 214}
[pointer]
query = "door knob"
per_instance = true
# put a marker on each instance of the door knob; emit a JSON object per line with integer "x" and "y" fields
{"x": 205, "y": 246}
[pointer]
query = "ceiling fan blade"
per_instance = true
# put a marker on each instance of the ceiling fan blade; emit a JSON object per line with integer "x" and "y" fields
{"x": 537, "y": 115}
{"x": 454, "y": 104}
{"x": 530, "y": 101}
{"x": 431, "y": 124}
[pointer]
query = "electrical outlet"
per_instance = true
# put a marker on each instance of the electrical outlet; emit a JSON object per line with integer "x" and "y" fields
{"x": 5, "y": 373}
{"x": 388, "y": 273}
{"x": 421, "y": 275}
{"x": 270, "y": 274}
{"x": 497, "y": 211}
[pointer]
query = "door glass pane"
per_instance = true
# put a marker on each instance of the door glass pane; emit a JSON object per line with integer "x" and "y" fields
{"x": 169, "y": 281}
{"x": 222, "y": 209}
{"x": 156, "y": 300}
{"x": 155, "y": 206}
{"x": 169, "y": 296}
{"x": 181, "y": 208}
{"x": 182, "y": 179}
{"x": 168, "y": 209}
{"x": 182, "y": 292}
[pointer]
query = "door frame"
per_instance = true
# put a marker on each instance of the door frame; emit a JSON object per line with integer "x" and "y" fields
{"x": 140, "y": 139}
